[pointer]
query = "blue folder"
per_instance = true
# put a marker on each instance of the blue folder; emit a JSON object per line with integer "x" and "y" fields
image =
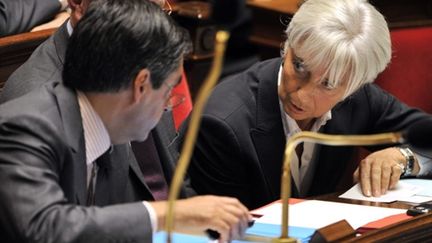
{"x": 269, "y": 230}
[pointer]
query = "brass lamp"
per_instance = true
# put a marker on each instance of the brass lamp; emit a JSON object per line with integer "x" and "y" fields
{"x": 324, "y": 139}
{"x": 194, "y": 123}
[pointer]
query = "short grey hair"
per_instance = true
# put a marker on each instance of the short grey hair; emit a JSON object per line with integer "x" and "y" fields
{"x": 347, "y": 39}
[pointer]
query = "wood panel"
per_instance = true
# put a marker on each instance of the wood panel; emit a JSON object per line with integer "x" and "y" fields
{"x": 416, "y": 229}
{"x": 403, "y": 13}
{"x": 270, "y": 18}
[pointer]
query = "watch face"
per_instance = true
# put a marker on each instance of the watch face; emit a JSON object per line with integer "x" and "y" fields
{"x": 409, "y": 158}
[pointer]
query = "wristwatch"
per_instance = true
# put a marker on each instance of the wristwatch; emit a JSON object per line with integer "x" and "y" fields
{"x": 409, "y": 158}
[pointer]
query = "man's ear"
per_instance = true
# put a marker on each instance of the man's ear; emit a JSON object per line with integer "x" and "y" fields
{"x": 141, "y": 85}
{"x": 74, "y": 4}
{"x": 78, "y": 9}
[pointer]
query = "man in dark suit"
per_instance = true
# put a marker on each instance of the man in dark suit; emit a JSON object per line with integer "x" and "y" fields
{"x": 19, "y": 16}
{"x": 46, "y": 65}
{"x": 61, "y": 180}
{"x": 320, "y": 84}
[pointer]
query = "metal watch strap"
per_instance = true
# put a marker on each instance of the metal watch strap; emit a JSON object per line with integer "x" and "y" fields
{"x": 409, "y": 158}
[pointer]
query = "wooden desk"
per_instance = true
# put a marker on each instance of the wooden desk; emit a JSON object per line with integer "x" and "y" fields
{"x": 403, "y": 13}
{"x": 270, "y": 18}
{"x": 334, "y": 197}
{"x": 417, "y": 229}
{"x": 281, "y": 6}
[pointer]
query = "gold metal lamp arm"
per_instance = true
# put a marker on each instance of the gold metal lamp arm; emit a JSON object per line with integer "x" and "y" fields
{"x": 194, "y": 123}
{"x": 324, "y": 139}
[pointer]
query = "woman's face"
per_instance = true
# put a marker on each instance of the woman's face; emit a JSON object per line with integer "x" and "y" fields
{"x": 306, "y": 95}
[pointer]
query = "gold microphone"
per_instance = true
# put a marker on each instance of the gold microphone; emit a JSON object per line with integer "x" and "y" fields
{"x": 324, "y": 139}
{"x": 194, "y": 123}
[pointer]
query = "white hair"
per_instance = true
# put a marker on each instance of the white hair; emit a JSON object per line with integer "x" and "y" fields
{"x": 347, "y": 39}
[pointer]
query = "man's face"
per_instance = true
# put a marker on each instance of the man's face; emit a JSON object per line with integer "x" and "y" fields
{"x": 305, "y": 94}
{"x": 150, "y": 110}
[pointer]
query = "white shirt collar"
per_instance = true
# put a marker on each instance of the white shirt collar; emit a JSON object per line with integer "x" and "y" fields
{"x": 96, "y": 136}
{"x": 69, "y": 27}
{"x": 302, "y": 176}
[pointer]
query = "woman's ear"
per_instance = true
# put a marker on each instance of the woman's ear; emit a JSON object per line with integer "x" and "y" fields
{"x": 141, "y": 85}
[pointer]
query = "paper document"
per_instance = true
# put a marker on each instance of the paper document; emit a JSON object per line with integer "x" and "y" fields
{"x": 408, "y": 190}
{"x": 317, "y": 214}
{"x": 402, "y": 192}
{"x": 425, "y": 184}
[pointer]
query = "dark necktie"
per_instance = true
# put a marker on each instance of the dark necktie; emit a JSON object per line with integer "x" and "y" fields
{"x": 299, "y": 152}
{"x": 98, "y": 191}
{"x": 150, "y": 164}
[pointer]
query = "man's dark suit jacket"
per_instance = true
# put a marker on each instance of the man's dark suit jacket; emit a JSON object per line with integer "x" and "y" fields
{"x": 44, "y": 175}
{"x": 241, "y": 140}
{"x": 18, "y": 16}
{"x": 46, "y": 65}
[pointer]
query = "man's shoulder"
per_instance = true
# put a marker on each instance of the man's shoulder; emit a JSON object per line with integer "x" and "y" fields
{"x": 31, "y": 103}
{"x": 43, "y": 66}
{"x": 42, "y": 63}
{"x": 35, "y": 125}
{"x": 49, "y": 114}
{"x": 43, "y": 103}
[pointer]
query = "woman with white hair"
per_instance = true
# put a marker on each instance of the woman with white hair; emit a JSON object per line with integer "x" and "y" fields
{"x": 333, "y": 52}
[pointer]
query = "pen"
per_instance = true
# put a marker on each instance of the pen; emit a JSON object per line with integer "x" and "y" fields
{"x": 214, "y": 235}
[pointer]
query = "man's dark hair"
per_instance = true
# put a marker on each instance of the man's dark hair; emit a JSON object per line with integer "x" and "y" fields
{"x": 116, "y": 39}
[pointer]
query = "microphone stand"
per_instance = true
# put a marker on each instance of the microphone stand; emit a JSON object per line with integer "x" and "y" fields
{"x": 324, "y": 139}
{"x": 194, "y": 123}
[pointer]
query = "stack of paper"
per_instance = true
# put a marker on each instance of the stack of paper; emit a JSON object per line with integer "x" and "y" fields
{"x": 307, "y": 216}
{"x": 316, "y": 214}
{"x": 407, "y": 190}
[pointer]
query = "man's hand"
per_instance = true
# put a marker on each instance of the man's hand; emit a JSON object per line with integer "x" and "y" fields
{"x": 223, "y": 214}
{"x": 380, "y": 171}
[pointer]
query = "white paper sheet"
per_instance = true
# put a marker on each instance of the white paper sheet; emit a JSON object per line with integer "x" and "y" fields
{"x": 402, "y": 191}
{"x": 415, "y": 199}
{"x": 317, "y": 214}
{"x": 425, "y": 184}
